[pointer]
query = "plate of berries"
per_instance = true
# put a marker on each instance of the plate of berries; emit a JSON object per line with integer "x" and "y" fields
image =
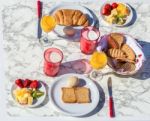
{"x": 28, "y": 93}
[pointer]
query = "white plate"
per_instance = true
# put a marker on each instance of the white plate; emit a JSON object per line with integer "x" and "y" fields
{"x": 75, "y": 109}
{"x": 129, "y": 18}
{"x": 59, "y": 28}
{"x": 35, "y": 104}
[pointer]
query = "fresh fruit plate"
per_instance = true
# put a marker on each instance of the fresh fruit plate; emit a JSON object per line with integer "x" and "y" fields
{"x": 87, "y": 90}
{"x": 116, "y": 13}
{"x": 59, "y": 29}
{"x": 28, "y": 93}
{"x": 125, "y": 55}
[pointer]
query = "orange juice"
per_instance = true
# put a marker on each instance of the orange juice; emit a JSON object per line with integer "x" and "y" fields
{"x": 48, "y": 23}
{"x": 98, "y": 60}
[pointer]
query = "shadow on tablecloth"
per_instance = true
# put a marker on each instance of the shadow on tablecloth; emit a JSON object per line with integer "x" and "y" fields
{"x": 144, "y": 73}
{"x": 80, "y": 66}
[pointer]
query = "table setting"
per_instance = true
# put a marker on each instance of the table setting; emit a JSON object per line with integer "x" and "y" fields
{"x": 77, "y": 60}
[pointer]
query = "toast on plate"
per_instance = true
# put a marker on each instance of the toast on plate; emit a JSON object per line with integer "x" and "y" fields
{"x": 82, "y": 95}
{"x": 76, "y": 95}
{"x": 68, "y": 95}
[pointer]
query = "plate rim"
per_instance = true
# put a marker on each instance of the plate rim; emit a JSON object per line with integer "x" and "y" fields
{"x": 71, "y": 114}
{"x": 28, "y": 106}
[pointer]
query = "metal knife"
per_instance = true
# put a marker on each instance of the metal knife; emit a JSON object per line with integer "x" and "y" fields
{"x": 111, "y": 104}
{"x": 39, "y": 13}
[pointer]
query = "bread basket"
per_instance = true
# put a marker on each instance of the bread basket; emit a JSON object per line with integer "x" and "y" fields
{"x": 131, "y": 42}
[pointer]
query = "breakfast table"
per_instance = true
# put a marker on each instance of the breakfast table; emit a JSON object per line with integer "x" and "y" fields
{"x": 21, "y": 56}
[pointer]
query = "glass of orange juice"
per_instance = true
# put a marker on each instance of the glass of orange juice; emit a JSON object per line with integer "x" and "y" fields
{"x": 98, "y": 61}
{"x": 47, "y": 23}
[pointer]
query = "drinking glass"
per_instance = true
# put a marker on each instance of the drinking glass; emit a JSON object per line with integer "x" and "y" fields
{"x": 52, "y": 61}
{"x": 88, "y": 40}
{"x": 48, "y": 24}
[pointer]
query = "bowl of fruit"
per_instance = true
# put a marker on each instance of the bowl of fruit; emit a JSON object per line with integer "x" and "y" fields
{"x": 28, "y": 93}
{"x": 116, "y": 13}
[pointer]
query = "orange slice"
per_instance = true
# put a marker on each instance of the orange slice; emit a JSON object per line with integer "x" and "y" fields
{"x": 122, "y": 9}
{"x": 48, "y": 23}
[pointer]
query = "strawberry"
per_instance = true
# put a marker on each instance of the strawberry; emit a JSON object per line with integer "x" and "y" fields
{"x": 108, "y": 7}
{"x": 114, "y": 5}
{"x": 105, "y": 12}
{"x": 19, "y": 83}
{"x": 34, "y": 84}
{"x": 26, "y": 82}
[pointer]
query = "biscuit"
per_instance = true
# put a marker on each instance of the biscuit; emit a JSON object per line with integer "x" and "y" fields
{"x": 118, "y": 38}
{"x": 125, "y": 60}
{"x": 128, "y": 67}
{"x": 128, "y": 51}
{"x": 116, "y": 53}
{"x": 112, "y": 43}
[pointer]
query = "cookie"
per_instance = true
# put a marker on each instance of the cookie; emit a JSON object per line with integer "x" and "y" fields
{"x": 125, "y": 60}
{"x": 128, "y": 67}
{"x": 116, "y": 53}
{"x": 118, "y": 38}
{"x": 128, "y": 51}
{"x": 112, "y": 43}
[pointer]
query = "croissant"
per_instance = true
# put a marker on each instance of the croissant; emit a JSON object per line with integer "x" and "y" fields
{"x": 116, "y": 53}
{"x": 70, "y": 17}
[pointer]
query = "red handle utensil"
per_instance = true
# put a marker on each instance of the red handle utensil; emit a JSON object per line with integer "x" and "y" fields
{"x": 111, "y": 103}
{"x": 111, "y": 111}
{"x": 39, "y": 8}
{"x": 39, "y": 14}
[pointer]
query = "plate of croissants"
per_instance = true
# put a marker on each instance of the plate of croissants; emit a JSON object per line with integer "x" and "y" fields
{"x": 125, "y": 55}
{"x": 71, "y": 19}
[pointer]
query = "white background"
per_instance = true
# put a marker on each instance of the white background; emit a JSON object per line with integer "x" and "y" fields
{"x": 4, "y": 116}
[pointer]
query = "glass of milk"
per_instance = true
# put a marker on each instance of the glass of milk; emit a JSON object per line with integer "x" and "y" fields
{"x": 52, "y": 60}
{"x": 88, "y": 39}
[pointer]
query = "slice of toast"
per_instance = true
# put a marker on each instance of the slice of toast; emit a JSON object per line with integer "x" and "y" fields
{"x": 82, "y": 95}
{"x": 68, "y": 95}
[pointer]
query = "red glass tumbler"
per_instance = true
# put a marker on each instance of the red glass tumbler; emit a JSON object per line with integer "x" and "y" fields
{"x": 88, "y": 39}
{"x": 52, "y": 60}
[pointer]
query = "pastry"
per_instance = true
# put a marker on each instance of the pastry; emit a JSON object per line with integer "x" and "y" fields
{"x": 128, "y": 67}
{"x": 125, "y": 60}
{"x": 112, "y": 43}
{"x": 118, "y": 38}
{"x": 82, "y": 95}
{"x": 128, "y": 51}
{"x": 70, "y": 17}
{"x": 68, "y": 95}
{"x": 116, "y": 53}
